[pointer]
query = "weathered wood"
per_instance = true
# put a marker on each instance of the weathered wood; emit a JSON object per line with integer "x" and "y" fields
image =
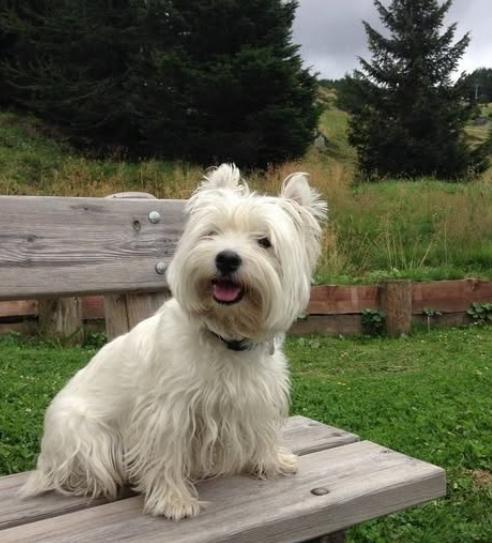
{"x": 450, "y": 296}
{"x": 133, "y": 195}
{"x": 141, "y": 306}
{"x": 26, "y": 327}
{"x": 116, "y": 315}
{"x": 61, "y": 319}
{"x": 20, "y": 308}
{"x": 360, "y": 481}
{"x": 53, "y": 246}
{"x": 301, "y": 435}
{"x": 340, "y": 300}
{"x": 123, "y": 314}
{"x": 396, "y": 304}
{"x": 92, "y": 307}
{"x": 329, "y": 325}
{"x": 124, "y": 311}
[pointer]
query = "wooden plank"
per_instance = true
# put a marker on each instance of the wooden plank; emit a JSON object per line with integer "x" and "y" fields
{"x": 359, "y": 481}
{"x": 450, "y": 296}
{"x": 116, "y": 315}
{"x": 19, "y": 308}
{"x": 302, "y": 435}
{"x": 142, "y": 306}
{"x": 339, "y": 300}
{"x": 69, "y": 246}
{"x": 26, "y": 327}
{"x": 305, "y": 436}
{"x": 329, "y": 325}
{"x": 92, "y": 307}
{"x": 61, "y": 318}
{"x": 443, "y": 321}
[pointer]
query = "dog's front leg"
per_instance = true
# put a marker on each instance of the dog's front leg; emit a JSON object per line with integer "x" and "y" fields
{"x": 159, "y": 464}
{"x": 167, "y": 493}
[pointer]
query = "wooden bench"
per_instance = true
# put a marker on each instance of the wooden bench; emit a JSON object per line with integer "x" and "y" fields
{"x": 120, "y": 247}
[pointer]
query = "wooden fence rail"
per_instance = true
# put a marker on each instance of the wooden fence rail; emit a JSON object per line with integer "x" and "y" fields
{"x": 333, "y": 310}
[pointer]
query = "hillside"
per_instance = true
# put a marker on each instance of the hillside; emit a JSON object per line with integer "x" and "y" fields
{"x": 422, "y": 229}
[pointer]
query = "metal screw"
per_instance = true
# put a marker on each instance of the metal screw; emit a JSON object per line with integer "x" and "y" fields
{"x": 160, "y": 268}
{"x": 321, "y": 491}
{"x": 154, "y": 217}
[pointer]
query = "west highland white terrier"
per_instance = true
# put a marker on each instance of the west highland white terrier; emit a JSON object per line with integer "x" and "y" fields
{"x": 201, "y": 388}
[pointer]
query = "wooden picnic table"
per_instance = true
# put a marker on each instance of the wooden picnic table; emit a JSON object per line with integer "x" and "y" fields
{"x": 341, "y": 482}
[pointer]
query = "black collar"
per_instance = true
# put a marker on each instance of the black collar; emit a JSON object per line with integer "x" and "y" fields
{"x": 237, "y": 345}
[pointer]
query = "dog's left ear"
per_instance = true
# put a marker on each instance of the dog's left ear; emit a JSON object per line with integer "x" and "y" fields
{"x": 296, "y": 187}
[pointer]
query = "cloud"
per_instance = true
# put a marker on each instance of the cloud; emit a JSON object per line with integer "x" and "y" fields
{"x": 332, "y": 37}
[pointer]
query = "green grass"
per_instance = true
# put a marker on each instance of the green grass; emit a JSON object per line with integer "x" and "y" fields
{"x": 429, "y": 396}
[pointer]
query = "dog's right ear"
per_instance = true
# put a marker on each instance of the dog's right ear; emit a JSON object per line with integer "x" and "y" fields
{"x": 225, "y": 176}
{"x": 220, "y": 182}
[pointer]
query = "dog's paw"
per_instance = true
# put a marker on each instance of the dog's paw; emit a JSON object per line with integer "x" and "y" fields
{"x": 174, "y": 509}
{"x": 284, "y": 464}
{"x": 287, "y": 463}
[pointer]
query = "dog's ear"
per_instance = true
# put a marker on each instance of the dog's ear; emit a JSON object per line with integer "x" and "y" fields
{"x": 225, "y": 176}
{"x": 296, "y": 187}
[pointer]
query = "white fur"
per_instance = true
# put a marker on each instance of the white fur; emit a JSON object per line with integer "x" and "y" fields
{"x": 167, "y": 404}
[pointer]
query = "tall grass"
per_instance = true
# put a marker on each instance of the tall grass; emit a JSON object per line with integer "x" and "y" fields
{"x": 422, "y": 229}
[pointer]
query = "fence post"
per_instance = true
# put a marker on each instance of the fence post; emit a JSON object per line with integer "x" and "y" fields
{"x": 396, "y": 303}
{"x": 61, "y": 318}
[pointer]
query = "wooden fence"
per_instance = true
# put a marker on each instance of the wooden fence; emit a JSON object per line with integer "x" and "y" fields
{"x": 333, "y": 310}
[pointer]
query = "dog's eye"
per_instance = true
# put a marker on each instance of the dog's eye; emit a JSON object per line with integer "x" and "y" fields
{"x": 265, "y": 243}
{"x": 211, "y": 234}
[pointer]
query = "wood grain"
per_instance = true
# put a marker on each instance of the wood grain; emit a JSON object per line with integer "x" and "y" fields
{"x": 396, "y": 304}
{"x": 20, "y": 308}
{"x": 115, "y": 315}
{"x": 61, "y": 318}
{"x": 142, "y": 306}
{"x": 450, "y": 296}
{"x": 340, "y": 300}
{"x": 363, "y": 481}
{"x": 68, "y": 246}
{"x": 302, "y": 435}
{"x": 329, "y": 325}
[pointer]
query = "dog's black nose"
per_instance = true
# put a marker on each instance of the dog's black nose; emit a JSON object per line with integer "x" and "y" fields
{"x": 227, "y": 261}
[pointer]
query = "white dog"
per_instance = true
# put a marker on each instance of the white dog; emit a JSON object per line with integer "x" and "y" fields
{"x": 201, "y": 388}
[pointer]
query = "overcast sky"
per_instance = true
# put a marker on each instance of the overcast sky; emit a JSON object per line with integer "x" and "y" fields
{"x": 331, "y": 34}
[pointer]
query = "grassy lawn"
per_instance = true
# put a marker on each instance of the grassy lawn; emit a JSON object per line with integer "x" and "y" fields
{"x": 429, "y": 395}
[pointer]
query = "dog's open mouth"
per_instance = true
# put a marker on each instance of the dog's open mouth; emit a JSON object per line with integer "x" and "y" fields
{"x": 225, "y": 291}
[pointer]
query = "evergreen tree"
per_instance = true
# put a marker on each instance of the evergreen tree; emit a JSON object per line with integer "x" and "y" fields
{"x": 479, "y": 84}
{"x": 408, "y": 115}
{"x": 202, "y": 80}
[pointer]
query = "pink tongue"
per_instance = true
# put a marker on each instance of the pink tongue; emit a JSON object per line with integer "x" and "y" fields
{"x": 226, "y": 292}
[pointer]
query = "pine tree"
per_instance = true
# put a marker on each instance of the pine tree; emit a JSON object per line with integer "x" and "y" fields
{"x": 202, "y": 80}
{"x": 408, "y": 115}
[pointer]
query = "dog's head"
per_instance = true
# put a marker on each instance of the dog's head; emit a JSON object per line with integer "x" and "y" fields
{"x": 244, "y": 263}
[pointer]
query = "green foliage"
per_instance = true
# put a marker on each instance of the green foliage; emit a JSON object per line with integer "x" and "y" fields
{"x": 480, "y": 313}
{"x": 479, "y": 85}
{"x": 201, "y": 80}
{"x": 430, "y": 314}
{"x": 408, "y": 115}
{"x": 372, "y": 322}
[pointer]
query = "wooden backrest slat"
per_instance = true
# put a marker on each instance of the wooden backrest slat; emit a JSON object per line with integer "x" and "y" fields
{"x": 57, "y": 246}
